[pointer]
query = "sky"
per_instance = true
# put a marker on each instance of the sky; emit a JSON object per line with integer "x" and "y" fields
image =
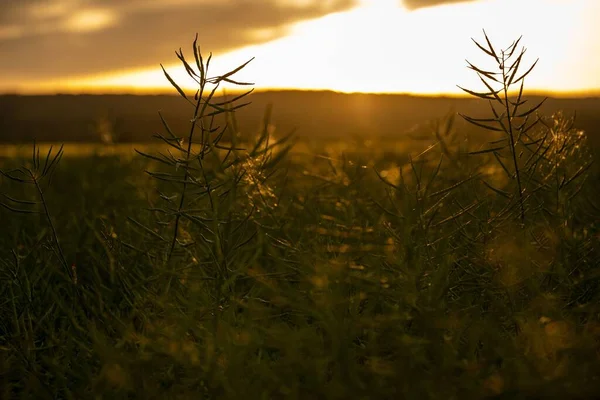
{"x": 378, "y": 46}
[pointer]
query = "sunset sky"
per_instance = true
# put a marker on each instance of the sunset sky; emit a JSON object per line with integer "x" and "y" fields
{"x": 408, "y": 46}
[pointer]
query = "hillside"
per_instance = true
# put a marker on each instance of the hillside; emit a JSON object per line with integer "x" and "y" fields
{"x": 134, "y": 118}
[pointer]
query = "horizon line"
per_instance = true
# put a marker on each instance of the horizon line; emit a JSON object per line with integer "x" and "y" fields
{"x": 166, "y": 92}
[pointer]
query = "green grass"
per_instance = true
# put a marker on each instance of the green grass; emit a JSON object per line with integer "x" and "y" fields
{"x": 252, "y": 271}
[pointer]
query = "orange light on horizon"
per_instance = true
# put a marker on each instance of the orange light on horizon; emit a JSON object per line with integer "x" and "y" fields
{"x": 380, "y": 47}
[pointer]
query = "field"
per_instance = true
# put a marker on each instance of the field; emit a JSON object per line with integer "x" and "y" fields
{"x": 232, "y": 263}
{"x": 348, "y": 273}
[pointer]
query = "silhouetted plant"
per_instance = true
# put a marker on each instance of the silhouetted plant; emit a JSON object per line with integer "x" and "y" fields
{"x": 564, "y": 165}
{"x": 36, "y": 174}
{"x": 209, "y": 173}
{"x": 509, "y": 119}
{"x": 188, "y": 166}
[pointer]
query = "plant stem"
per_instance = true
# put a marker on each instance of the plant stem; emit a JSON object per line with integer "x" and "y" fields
{"x": 51, "y": 224}
{"x": 512, "y": 139}
{"x": 186, "y": 174}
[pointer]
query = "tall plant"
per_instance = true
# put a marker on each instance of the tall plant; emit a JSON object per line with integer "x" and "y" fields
{"x": 37, "y": 174}
{"x": 204, "y": 213}
{"x": 508, "y": 117}
{"x": 188, "y": 162}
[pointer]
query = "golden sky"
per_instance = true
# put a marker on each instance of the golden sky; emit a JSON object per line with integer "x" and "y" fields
{"x": 407, "y": 46}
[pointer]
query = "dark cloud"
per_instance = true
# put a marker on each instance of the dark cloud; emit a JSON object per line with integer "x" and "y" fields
{"x": 38, "y": 38}
{"x": 415, "y": 4}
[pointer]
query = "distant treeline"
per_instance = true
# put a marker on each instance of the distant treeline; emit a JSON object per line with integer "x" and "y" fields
{"x": 134, "y": 118}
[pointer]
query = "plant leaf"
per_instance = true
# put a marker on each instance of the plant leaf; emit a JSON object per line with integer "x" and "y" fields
{"x": 474, "y": 122}
{"x": 190, "y": 71}
{"x": 493, "y": 149}
{"x": 486, "y": 96}
{"x": 527, "y": 73}
{"x": 491, "y": 47}
{"x": 531, "y": 110}
{"x": 513, "y": 46}
{"x": 172, "y": 82}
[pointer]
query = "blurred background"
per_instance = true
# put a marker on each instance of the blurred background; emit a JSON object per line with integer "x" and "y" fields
{"x": 89, "y": 70}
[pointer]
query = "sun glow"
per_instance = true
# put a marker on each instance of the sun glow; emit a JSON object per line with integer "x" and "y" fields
{"x": 90, "y": 20}
{"x": 381, "y": 47}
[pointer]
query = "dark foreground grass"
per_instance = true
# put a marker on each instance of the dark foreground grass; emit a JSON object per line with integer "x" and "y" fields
{"x": 337, "y": 286}
{"x": 243, "y": 270}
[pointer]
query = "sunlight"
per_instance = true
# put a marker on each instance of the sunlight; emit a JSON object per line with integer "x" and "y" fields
{"x": 381, "y": 47}
{"x": 90, "y": 20}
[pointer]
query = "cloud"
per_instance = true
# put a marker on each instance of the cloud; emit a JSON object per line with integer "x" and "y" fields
{"x": 90, "y": 20}
{"x": 416, "y": 4}
{"x": 48, "y": 39}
